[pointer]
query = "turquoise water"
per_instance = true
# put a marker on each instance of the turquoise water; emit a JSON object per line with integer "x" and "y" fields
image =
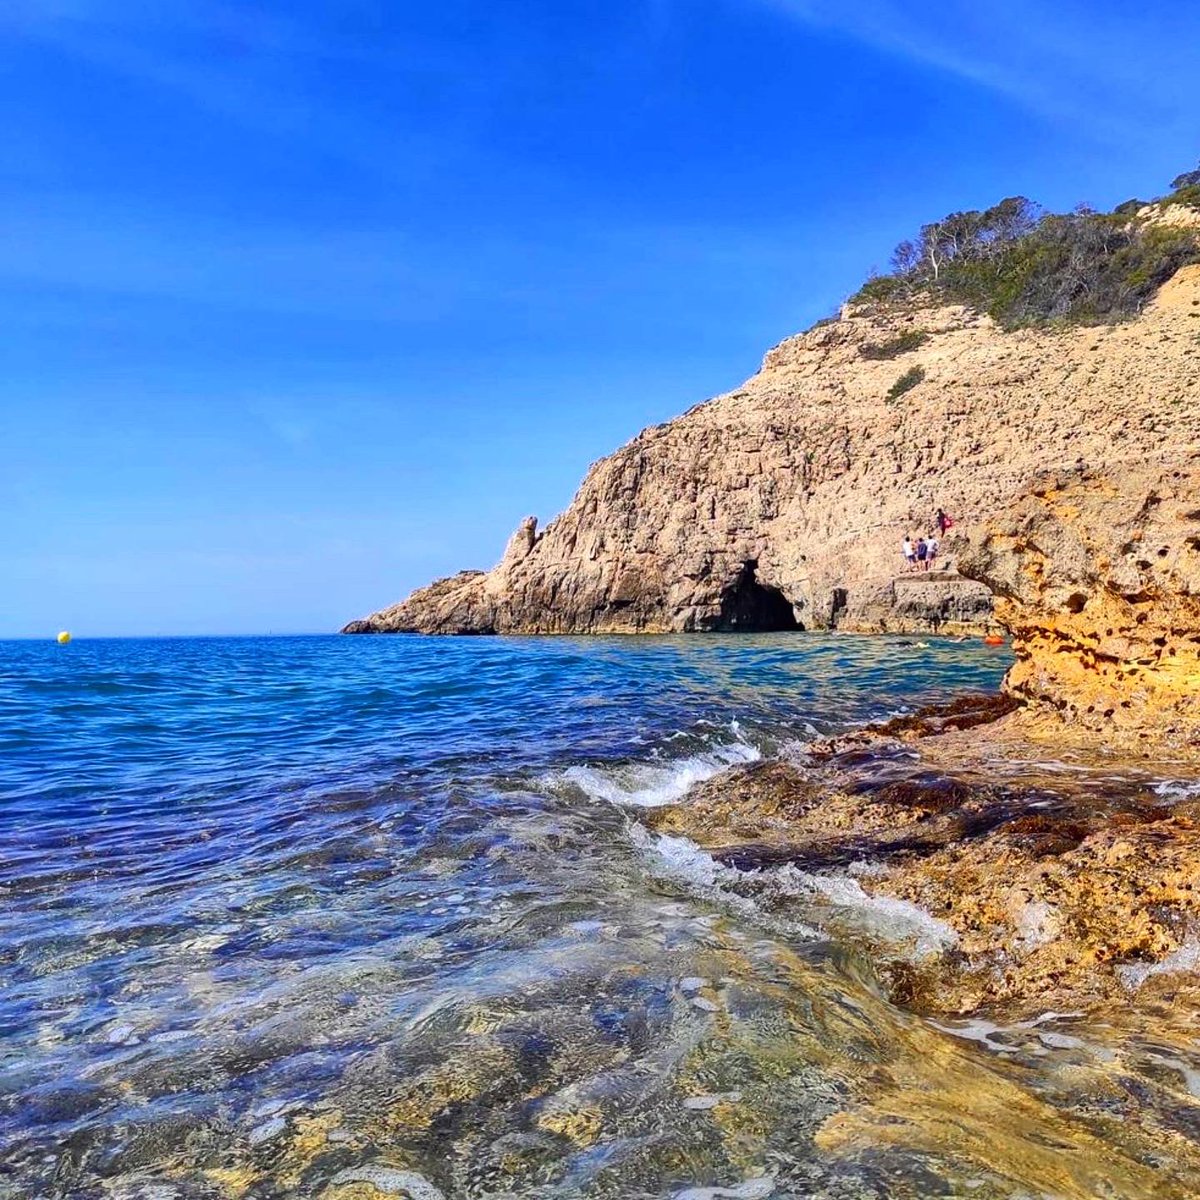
{"x": 277, "y": 909}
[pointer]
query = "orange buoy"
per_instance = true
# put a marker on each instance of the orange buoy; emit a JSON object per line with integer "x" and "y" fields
{"x": 993, "y": 640}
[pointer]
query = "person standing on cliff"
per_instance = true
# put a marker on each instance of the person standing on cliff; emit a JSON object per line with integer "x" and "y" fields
{"x": 910, "y": 557}
{"x": 932, "y": 546}
{"x": 944, "y": 521}
{"x": 922, "y": 554}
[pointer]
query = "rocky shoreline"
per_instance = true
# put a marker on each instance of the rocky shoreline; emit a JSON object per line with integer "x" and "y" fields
{"x": 1097, "y": 577}
{"x": 1045, "y": 888}
{"x": 1026, "y": 832}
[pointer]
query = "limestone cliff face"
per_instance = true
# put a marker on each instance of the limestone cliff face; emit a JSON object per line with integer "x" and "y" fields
{"x": 782, "y": 504}
{"x": 1097, "y": 574}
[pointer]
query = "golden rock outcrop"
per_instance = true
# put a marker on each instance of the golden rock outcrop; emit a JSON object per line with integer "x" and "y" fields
{"x": 1097, "y": 575}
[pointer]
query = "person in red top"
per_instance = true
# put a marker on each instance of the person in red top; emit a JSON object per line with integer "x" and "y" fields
{"x": 944, "y": 521}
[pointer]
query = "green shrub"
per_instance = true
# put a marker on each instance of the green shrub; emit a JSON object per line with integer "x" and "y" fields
{"x": 882, "y": 289}
{"x": 906, "y": 382}
{"x": 896, "y": 346}
{"x": 1024, "y": 266}
{"x": 1189, "y": 196}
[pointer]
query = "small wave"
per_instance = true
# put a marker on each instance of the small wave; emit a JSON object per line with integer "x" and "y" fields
{"x": 685, "y": 860}
{"x": 682, "y": 860}
{"x": 897, "y": 922}
{"x": 650, "y": 785}
{"x": 881, "y": 916}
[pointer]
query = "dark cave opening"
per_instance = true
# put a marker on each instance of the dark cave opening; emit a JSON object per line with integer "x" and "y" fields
{"x": 748, "y": 606}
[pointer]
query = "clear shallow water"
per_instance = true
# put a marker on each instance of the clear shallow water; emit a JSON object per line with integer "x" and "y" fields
{"x": 278, "y": 909}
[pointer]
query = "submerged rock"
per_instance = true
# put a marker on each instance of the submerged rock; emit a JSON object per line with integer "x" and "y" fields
{"x": 388, "y": 1181}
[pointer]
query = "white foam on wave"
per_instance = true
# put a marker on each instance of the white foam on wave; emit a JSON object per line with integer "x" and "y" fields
{"x": 1011, "y": 1037}
{"x": 682, "y": 858}
{"x": 973, "y": 1030}
{"x": 758, "y": 1188}
{"x": 1178, "y": 789}
{"x": 797, "y": 751}
{"x": 895, "y": 921}
{"x": 882, "y": 916}
{"x": 1186, "y": 958}
{"x": 651, "y": 785}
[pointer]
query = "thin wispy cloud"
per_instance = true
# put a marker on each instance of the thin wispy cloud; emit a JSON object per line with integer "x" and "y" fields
{"x": 1104, "y": 68}
{"x": 100, "y": 251}
{"x": 94, "y": 249}
{"x": 249, "y": 67}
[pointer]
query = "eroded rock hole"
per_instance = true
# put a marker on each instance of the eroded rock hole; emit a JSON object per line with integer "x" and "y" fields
{"x": 839, "y": 604}
{"x": 748, "y": 606}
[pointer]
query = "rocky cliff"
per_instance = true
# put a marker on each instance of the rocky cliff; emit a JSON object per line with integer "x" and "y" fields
{"x": 782, "y": 504}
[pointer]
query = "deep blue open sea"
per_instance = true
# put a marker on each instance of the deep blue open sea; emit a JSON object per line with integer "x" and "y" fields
{"x": 347, "y": 917}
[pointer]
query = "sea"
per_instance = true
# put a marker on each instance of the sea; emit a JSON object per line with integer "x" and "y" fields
{"x": 352, "y": 917}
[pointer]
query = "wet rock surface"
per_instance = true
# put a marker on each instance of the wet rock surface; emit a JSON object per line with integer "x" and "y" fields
{"x": 1058, "y": 889}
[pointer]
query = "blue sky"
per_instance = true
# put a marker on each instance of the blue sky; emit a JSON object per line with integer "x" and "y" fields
{"x": 305, "y": 304}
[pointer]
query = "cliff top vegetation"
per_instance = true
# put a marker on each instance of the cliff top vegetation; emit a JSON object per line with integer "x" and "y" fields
{"x": 1025, "y": 266}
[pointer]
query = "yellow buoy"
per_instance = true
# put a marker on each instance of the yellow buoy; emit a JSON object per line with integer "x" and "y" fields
{"x": 64, "y": 638}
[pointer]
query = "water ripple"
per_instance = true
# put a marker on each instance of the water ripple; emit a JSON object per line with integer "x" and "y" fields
{"x": 276, "y": 909}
